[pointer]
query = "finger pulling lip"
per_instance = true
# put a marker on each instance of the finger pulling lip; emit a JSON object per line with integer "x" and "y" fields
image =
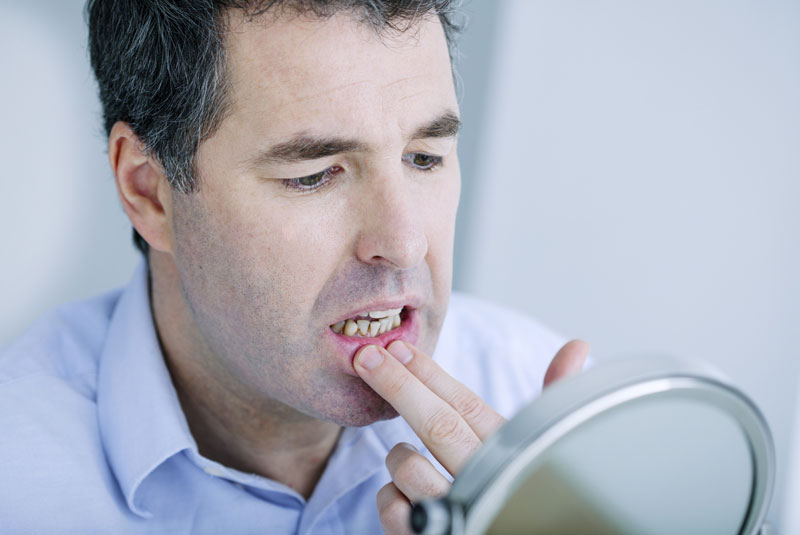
{"x": 348, "y": 346}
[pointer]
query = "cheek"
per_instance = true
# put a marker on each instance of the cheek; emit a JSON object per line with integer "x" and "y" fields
{"x": 243, "y": 259}
{"x": 441, "y": 208}
{"x": 300, "y": 244}
{"x": 250, "y": 275}
{"x": 309, "y": 253}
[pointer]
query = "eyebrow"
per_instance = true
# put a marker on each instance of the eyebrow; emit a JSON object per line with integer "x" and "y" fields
{"x": 308, "y": 147}
{"x": 446, "y": 125}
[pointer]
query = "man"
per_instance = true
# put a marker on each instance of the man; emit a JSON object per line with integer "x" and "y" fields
{"x": 290, "y": 171}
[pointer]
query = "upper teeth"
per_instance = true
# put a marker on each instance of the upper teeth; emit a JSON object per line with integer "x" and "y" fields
{"x": 383, "y": 320}
{"x": 382, "y": 313}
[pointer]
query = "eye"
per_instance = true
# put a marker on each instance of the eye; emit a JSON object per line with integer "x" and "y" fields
{"x": 423, "y": 161}
{"x": 312, "y": 182}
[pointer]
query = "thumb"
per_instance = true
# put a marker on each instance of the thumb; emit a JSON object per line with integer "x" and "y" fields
{"x": 568, "y": 361}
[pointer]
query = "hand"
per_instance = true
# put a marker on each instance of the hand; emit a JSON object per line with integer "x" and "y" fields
{"x": 449, "y": 419}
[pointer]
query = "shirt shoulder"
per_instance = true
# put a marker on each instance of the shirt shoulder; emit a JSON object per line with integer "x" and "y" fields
{"x": 64, "y": 344}
{"x": 48, "y": 413}
{"x": 501, "y": 354}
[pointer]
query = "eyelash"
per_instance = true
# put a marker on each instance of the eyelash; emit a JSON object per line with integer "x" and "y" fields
{"x": 294, "y": 184}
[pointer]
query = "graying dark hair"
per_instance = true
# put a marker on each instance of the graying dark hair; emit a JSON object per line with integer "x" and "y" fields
{"x": 161, "y": 65}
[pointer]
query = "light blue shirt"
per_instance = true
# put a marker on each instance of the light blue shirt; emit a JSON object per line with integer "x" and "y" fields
{"x": 94, "y": 440}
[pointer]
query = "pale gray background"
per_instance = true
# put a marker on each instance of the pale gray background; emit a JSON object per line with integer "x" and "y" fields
{"x": 631, "y": 177}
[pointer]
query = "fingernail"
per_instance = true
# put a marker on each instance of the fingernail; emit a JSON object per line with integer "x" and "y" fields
{"x": 370, "y": 357}
{"x": 400, "y": 351}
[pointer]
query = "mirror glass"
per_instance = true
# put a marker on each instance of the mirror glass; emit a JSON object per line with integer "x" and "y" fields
{"x": 661, "y": 464}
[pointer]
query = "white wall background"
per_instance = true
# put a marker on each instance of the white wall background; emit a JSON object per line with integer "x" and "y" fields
{"x": 638, "y": 184}
{"x": 64, "y": 235}
{"x": 631, "y": 176}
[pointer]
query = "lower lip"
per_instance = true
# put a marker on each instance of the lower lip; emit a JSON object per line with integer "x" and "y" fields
{"x": 348, "y": 346}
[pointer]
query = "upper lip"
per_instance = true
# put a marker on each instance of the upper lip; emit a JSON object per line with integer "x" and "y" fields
{"x": 410, "y": 303}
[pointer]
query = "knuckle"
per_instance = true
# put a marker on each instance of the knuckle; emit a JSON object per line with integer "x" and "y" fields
{"x": 470, "y": 406}
{"x": 427, "y": 375}
{"x": 444, "y": 426}
{"x": 416, "y": 473}
{"x": 396, "y": 384}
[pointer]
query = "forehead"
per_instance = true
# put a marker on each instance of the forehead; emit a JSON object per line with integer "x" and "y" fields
{"x": 302, "y": 73}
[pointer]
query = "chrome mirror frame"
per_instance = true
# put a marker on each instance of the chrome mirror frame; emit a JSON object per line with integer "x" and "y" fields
{"x": 499, "y": 467}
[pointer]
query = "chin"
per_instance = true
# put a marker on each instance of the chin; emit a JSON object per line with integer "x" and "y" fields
{"x": 360, "y": 406}
{"x": 386, "y": 412}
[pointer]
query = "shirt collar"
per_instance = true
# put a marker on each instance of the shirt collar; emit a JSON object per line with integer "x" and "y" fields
{"x": 140, "y": 418}
{"x": 359, "y": 455}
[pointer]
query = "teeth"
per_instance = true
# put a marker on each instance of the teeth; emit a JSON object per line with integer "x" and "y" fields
{"x": 384, "y": 313}
{"x": 350, "y": 328}
{"x": 374, "y": 327}
{"x": 386, "y": 324}
{"x": 363, "y": 327}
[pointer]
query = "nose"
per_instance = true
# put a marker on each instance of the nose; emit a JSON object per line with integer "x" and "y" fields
{"x": 392, "y": 228}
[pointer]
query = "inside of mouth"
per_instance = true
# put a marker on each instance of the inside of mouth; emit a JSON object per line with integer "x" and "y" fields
{"x": 364, "y": 326}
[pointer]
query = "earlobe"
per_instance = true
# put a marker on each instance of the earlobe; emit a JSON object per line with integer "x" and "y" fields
{"x": 142, "y": 187}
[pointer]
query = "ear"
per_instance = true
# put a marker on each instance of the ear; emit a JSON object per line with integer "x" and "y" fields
{"x": 142, "y": 186}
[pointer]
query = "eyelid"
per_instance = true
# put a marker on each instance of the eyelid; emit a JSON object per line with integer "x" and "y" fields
{"x": 292, "y": 184}
{"x": 440, "y": 146}
{"x": 436, "y": 163}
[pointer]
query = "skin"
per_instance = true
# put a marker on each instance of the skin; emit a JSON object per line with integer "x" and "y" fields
{"x": 450, "y": 419}
{"x": 247, "y": 275}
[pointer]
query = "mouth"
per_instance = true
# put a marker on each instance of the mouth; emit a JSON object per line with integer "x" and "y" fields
{"x": 381, "y": 327}
{"x": 372, "y": 323}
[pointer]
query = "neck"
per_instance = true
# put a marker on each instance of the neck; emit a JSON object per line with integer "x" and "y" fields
{"x": 260, "y": 436}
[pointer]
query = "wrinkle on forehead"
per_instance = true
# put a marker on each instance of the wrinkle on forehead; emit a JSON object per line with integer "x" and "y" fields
{"x": 406, "y": 79}
{"x": 385, "y": 89}
{"x": 285, "y": 79}
{"x": 286, "y": 57}
{"x": 299, "y": 91}
{"x": 325, "y": 93}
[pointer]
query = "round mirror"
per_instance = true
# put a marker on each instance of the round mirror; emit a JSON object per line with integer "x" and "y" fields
{"x": 645, "y": 446}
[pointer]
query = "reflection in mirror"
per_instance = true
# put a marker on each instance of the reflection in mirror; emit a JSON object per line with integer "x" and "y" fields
{"x": 642, "y": 467}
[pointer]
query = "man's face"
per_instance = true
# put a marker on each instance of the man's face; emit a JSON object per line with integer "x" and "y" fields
{"x": 268, "y": 264}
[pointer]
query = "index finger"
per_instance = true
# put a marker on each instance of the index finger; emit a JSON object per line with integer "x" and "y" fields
{"x": 440, "y": 427}
{"x": 479, "y": 416}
